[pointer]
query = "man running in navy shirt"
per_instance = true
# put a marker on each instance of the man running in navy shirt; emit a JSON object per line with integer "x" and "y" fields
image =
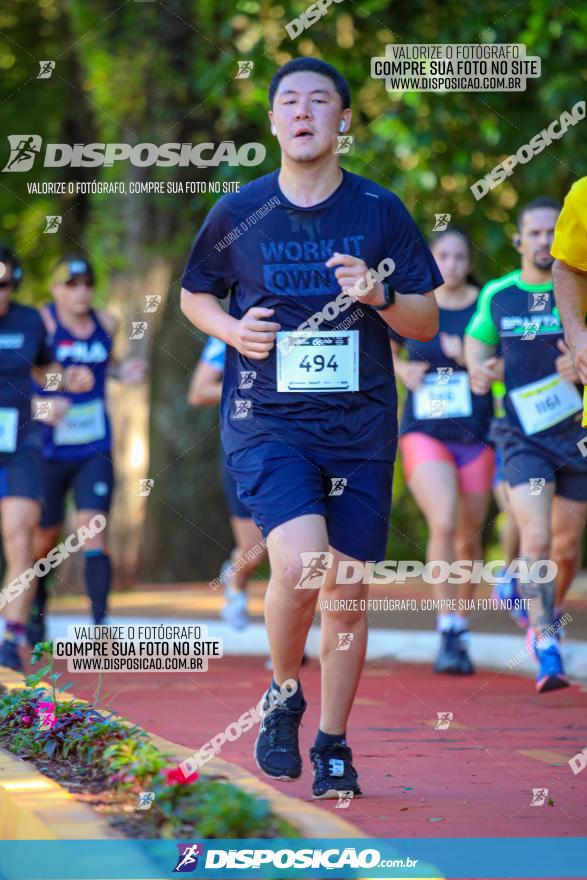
{"x": 302, "y": 414}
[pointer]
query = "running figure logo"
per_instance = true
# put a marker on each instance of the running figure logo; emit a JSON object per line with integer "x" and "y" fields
{"x": 244, "y": 69}
{"x": 438, "y": 408}
{"x": 441, "y": 221}
{"x": 344, "y": 144}
{"x": 52, "y": 222}
{"x": 187, "y": 860}
{"x": 145, "y": 487}
{"x": 344, "y": 641}
{"x": 247, "y": 378}
{"x": 344, "y": 799}
{"x": 539, "y": 796}
{"x": 242, "y": 409}
{"x": 53, "y": 381}
{"x": 146, "y": 799}
{"x": 138, "y": 329}
{"x": 538, "y": 302}
{"x": 444, "y": 719}
{"x": 43, "y": 409}
{"x": 315, "y": 565}
{"x": 536, "y": 485}
{"x": 530, "y": 331}
{"x": 337, "y": 485}
{"x": 45, "y": 712}
{"x": 46, "y": 69}
{"x": 444, "y": 374}
{"x": 24, "y": 148}
{"x": 152, "y": 301}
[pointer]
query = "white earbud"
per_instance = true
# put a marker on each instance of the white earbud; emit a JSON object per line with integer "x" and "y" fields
{"x": 273, "y": 129}
{"x": 341, "y": 126}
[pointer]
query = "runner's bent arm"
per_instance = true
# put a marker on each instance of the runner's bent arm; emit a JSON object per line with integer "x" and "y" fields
{"x": 482, "y": 365}
{"x": 481, "y": 341}
{"x": 74, "y": 379}
{"x": 253, "y": 335}
{"x": 414, "y": 315}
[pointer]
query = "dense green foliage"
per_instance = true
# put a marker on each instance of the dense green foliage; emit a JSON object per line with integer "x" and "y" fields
{"x": 163, "y": 72}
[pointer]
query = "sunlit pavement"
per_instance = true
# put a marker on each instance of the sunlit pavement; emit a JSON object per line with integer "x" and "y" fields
{"x": 473, "y": 778}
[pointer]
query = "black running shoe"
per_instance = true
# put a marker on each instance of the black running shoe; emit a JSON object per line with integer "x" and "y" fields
{"x": 466, "y": 666}
{"x": 9, "y": 656}
{"x": 333, "y": 772}
{"x": 277, "y": 751}
{"x": 449, "y": 654}
{"x": 35, "y": 630}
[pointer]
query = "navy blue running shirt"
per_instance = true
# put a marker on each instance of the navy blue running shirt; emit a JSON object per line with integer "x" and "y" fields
{"x": 23, "y": 344}
{"x": 277, "y": 261}
{"x": 462, "y": 429}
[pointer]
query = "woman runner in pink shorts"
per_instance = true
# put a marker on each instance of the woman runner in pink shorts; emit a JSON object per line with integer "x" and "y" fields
{"x": 447, "y": 460}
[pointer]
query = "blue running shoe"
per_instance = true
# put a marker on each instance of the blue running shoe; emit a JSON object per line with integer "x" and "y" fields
{"x": 10, "y": 656}
{"x": 503, "y": 591}
{"x": 277, "y": 751}
{"x": 551, "y": 674}
{"x": 449, "y": 657}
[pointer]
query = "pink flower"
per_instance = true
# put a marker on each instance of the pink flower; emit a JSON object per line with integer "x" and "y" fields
{"x": 27, "y": 720}
{"x": 176, "y": 776}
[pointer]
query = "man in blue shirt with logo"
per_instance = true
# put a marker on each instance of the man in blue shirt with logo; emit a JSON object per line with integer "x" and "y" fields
{"x": 538, "y": 436}
{"x": 311, "y": 434}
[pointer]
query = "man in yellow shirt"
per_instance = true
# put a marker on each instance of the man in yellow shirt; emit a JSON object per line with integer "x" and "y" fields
{"x": 570, "y": 277}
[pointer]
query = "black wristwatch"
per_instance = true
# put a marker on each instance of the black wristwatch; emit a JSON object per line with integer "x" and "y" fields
{"x": 389, "y": 294}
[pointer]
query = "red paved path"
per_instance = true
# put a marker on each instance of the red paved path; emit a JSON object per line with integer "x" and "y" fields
{"x": 473, "y": 776}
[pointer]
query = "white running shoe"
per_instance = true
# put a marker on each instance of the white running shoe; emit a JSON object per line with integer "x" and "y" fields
{"x": 235, "y": 611}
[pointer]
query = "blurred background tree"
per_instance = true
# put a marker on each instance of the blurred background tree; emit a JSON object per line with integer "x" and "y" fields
{"x": 162, "y": 72}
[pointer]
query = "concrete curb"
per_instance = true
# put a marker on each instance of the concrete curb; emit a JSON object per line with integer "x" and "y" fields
{"x": 32, "y": 806}
{"x": 488, "y": 650}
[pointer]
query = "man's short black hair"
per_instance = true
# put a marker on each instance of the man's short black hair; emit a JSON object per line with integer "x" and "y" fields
{"x": 314, "y": 65}
{"x": 542, "y": 202}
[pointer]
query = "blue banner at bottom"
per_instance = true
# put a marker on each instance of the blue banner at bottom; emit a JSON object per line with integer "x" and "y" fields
{"x": 362, "y": 858}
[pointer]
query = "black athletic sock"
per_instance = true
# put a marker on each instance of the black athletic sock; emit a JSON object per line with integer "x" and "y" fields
{"x": 329, "y": 739}
{"x": 296, "y": 700}
{"x": 98, "y": 573}
{"x": 41, "y": 595}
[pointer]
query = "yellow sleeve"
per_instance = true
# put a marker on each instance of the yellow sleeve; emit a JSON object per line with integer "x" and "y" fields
{"x": 570, "y": 234}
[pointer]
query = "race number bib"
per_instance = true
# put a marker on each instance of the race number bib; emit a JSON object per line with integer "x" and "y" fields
{"x": 84, "y": 423}
{"x": 318, "y": 361}
{"x": 545, "y": 403}
{"x": 8, "y": 429}
{"x": 443, "y": 396}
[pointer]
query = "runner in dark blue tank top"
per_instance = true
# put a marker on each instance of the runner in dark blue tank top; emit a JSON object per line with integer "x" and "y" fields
{"x": 76, "y": 434}
{"x": 24, "y": 351}
{"x": 448, "y": 463}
